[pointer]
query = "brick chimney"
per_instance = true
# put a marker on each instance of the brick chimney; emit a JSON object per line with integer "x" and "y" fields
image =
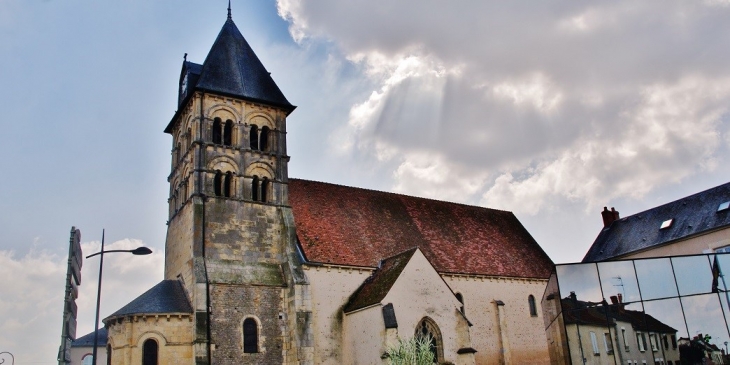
{"x": 609, "y": 216}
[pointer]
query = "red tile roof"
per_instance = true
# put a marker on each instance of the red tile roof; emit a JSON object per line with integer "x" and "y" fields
{"x": 352, "y": 226}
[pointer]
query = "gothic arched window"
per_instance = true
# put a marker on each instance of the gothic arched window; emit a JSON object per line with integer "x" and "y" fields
{"x": 217, "y": 131}
{"x": 149, "y": 352}
{"x": 228, "y": 133}
{"x": 255, "y": 188}
{"x": 254, "y": 137}
{"x": 250, "y": 336}
{"x": 227, "y": 184}
{"x": 264, "y": 138}
{"x": 264, "y": 189}
{"x": 533, "y": 307}
{"x": 427, "y": 329}
{"x": 218, "y": 183}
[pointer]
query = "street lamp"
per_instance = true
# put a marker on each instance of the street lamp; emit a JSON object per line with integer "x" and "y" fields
{"x": 137, "y": 251}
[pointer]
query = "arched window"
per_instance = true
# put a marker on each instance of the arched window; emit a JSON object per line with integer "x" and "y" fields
{"x": 218, "y": 183}
{"x": 228, "y": 133}
{"x": 250, "y": 336}
{"x": 533, "y": 307}
{"x": 88, "y": 360}
{"x": 428, "y": 329}
{"x": 217, "y": 131}
{"x": 460, "y": 298}
{"x": 227, "y": 184}
{"x": 264, "y": 189}
{"x": 254, "y": 137}
{"x": 149, "y": 352}
{"x": 264, "y": 138}
{"x": 108, "y": 354}
{"x": 178, "y": 152}
{"x": 255, "y": 188}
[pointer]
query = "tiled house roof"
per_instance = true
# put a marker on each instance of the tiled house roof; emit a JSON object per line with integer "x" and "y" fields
{"x": 351, "y": 226}
{"x": 166, "y": 297}
{"x": 87, "y": 340}
{"x": 693, "y": 215}
{"x": 376, "y": 287}
{"x": 598, "y": 314}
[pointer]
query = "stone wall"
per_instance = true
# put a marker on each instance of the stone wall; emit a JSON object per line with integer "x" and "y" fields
{"x": 173, "y": 333}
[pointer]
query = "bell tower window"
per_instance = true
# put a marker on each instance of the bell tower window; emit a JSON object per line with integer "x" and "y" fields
{"x": 250, "y": 336}
{"x": 254, "y": 137}
{"x": 227, "y": 184}
{"x": 149, "y": 352}
{"x": 264, "y": 139}
{"x": 217, "y": 138}
{"x": 264, "y": 189}
{"x": 228, "y": 133}
{"x": 218, "y": 184}
{"x": 255, "y": 188}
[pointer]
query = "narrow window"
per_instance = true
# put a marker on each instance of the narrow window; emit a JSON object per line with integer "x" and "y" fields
{"x": 250, "y": 336}
{"x": 178, "y": 152}
{"x": 533, "y": 307}
{"x": 666, "y": 342}
{"x": 653, "y": 342}
{"x": 108, "y": 355}
{"x": 217, "y": 131}
{"x": 227, "y": 184}
{"x": 264, "y": 138}
{"x": 460, "y": 298}
{"x": 228, "y": 133}
{"x": 674, "y": 341}
{"x": 608, "y": 343}
{"x": 218, "y": 182}
{"x": 641, "y": 341}
{"x": 149, "y": 352}
{"x": 264, "y": 189}
{"x": 255, "y": 188}
{"x": 427, "y": 329}
{"x": 594, "y": 342}
{"x": 623, "y": 336}
{"x": 254, "y": 137}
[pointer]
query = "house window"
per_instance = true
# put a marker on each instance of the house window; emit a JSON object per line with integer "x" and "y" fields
{"x": 460, "y": 298}
{"x": 607, "y": 343}
{"x": 641, "y": 341}
{"x": 228, "y": 133}
{"x": 666, "y": 342}
{"x": 674, "y": 341}
{"x": 255, "y": 188}
{"x": 264, "y": 139}
{"x": 250, "y": 336}
{"x": 653, "y": 342}
{"x": 428, "y": 329}
{"x": 533, "y": 307}
{"x": 217, "y": 131}
{"x": 626, "y": 342}
{"x": 254, "y": 137}
{"x": 149, "y": 352}
{"x": 88, "y": 360}
{"x": 594, "y": 342}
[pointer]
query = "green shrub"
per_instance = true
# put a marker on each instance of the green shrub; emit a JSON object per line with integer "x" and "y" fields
{"x": 412, "y": 351}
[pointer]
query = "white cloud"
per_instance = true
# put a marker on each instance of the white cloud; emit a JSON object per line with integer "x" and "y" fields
{"x": 32, "y": 300}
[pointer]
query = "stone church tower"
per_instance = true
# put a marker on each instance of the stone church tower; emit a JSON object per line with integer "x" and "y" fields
{"x": 230, "y": 230}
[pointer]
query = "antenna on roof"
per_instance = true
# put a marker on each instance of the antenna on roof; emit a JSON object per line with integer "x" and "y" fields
{"x": 229, "y": 9}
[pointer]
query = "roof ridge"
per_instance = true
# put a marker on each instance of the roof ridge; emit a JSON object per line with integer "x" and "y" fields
{"x": 688, "y": 197}
{"x": 404, "y": 195}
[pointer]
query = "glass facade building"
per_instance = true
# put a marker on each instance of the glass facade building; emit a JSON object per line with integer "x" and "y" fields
{"x": 663, "y": 311}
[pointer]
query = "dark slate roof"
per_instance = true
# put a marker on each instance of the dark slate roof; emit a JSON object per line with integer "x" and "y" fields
{"x": 233, "y": 69}
{"x": 351, "y": 226}
{"x": 377, "y": 286}
{"x": 88, "y": 339}
{"x": 598, "y": 314}
{"x": 693, "y": 215}
{"x": 166, "y": 297}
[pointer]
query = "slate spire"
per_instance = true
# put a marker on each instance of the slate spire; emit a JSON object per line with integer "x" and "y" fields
{"x": 229, "y": 10}
{"x": 233, "y": 69}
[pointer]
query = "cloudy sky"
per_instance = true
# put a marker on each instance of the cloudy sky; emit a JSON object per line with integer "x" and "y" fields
{"x": 551, "y": 110}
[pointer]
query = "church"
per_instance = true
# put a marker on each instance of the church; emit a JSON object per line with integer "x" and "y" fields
{"x": 261, "y": 268}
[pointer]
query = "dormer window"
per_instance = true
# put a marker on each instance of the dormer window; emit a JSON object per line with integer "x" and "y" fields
{"x": 667, "y": 223}
{"x": 724, "y": 206}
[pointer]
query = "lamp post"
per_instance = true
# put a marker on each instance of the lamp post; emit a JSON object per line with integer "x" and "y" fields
{"x": 137, "y": 251}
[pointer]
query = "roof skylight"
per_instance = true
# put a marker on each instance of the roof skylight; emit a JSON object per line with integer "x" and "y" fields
{"x": 723, "y": 206}
{"x": 667, "y": 223}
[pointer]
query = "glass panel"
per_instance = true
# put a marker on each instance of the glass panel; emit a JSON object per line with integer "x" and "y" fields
{"x": 656, "y": 279}
{"x": 581, "y": 279}
{"x": 665, "y": 317}
{"x": 582, "y": 328}
{"x": 619, "y": 277}
{"x": 693, "y": 273}
{"x": 550, "y": 303}
{"x": 723, "y": 269}
{"x": 704, "y": 318}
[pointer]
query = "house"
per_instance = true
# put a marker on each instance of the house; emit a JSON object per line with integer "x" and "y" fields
{"x": 699, "y": 223}
{"x": 264, "y": 269}
{"x": 82, "y": 349}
